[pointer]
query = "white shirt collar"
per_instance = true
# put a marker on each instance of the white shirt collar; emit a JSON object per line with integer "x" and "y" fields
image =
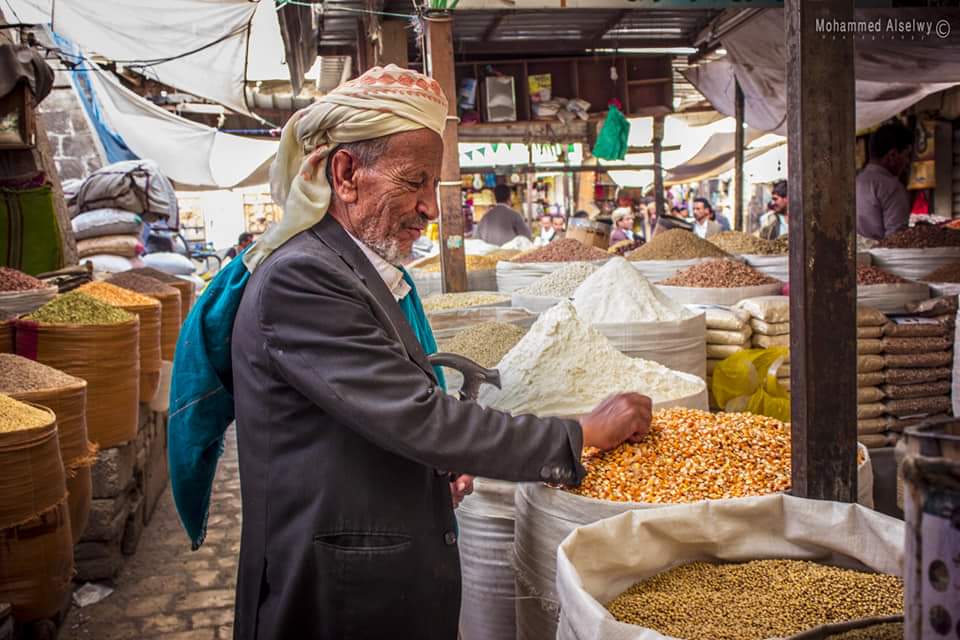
{"x": 391, "y": 275}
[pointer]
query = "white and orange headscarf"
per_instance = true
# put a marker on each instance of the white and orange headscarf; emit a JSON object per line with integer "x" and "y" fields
{"x": 383, "y": 101}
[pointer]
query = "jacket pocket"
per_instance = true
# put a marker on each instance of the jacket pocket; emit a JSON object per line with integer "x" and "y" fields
{"x": 363, "y": 542}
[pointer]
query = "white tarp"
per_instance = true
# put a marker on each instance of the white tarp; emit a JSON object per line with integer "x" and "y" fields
{"x": 189, "y": 153}
{"x": 227, "y": 41}
{"x": 891, "y": 75}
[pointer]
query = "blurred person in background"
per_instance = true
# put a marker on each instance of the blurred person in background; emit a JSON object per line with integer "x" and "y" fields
{"x": 501, "y": 224}
{"x": 623, "y": 221}
{"x": 547, "y": 233}
{"x": 777, "y": 226}
{"x": 559, "y": 225}
{"x": 243, "y": 242}
{"x": 704, "y": 225}
{"x": 883, "y": 204}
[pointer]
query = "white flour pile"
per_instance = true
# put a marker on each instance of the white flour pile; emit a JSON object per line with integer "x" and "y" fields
{"x": 618, "y": 293}
{"x": 561, "y": 283}
{"x": 565, "y": 367}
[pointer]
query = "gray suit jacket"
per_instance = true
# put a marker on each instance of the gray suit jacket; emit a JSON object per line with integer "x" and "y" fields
{"x": 348, "y": 530}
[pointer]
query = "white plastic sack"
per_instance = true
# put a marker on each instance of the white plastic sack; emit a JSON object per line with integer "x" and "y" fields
{"x": 537, "y": 304}
{"x": 137, "y": 186}
{"x": 431, "y": 282}
{"x": 774, "y": 266}
{"x": 940, "y": 289}
{"x": 723, "y": 296}
{"x": 512, "y": 276}
{"x": 172, "y": 263}
{"x": 18, "y": 303}
{"x": 596, "y": 563}
{"x": 106, "y": 263}
{"x": 723, "y": 317}
{"x": 775, "y": 308}
{"x": 914, "y": 264}
{"x": 106, "y": 222}
{"x": 891, "y": 298}
{"x": 676, "y": 344}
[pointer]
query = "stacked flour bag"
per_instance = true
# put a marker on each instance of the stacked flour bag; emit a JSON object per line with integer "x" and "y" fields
{"x": 918, "y": 352}
{"x": 728, "y": 332}
{"x": 110, "y": 208}
{"x": 770, "y": 321}
{"x": 871, "y": 421}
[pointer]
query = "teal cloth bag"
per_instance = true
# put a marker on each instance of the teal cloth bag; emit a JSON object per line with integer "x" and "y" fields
{"x": 201, "y": 391}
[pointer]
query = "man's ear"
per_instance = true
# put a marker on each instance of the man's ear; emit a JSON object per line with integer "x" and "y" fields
{"x": 343, "y": 170}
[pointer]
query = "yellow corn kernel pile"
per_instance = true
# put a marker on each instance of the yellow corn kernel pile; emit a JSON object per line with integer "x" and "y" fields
{"x": 755, "y": 600}
{"x": 691, "y": 455}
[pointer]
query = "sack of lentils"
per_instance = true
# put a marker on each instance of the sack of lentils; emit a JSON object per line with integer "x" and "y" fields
{"x": 36, "y": 550}
{"x": 148, "y": 310}
{"x": 185, "y": 287}
{"x": 6, "y": 333}
{"x": 723, "y": 282}
{"x": 65, "y": 395}
{"x": 171, "y": 316}
{"x": 99, "y": 343}
{"x": 526, "y": 268}
{"x": 21, "y": 293}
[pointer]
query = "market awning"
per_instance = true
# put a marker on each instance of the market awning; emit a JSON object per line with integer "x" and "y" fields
{"x": 715, "y": 157}
{"x": 891, "y": 75}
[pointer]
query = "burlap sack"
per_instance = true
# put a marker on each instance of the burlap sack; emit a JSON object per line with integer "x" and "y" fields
{"x": 869, "y": 332}
{"x": 6, "y": 336}
{"x": 869, "y": 347}
{"x": 32, "y": 479}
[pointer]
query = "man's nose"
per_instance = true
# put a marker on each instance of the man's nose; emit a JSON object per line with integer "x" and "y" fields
{"x": 430, "y": 209}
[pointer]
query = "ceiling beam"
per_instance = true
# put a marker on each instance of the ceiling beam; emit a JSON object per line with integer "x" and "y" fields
{"x": 613, "y": 21}
{"x": 553, "y": 47}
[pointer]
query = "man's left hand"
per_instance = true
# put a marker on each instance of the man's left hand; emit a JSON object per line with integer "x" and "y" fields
{"x": 462, "y": 486}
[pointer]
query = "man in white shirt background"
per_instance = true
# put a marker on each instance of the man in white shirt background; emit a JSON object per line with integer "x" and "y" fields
{"x": 703, "y": 225}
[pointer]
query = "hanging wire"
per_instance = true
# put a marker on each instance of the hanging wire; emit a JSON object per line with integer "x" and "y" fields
{"x": 300, "y": 3}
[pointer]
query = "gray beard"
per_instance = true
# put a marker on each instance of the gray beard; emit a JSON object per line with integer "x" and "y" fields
{"x": 389, "y": 249}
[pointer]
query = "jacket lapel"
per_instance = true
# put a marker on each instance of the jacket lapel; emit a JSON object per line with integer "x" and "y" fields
{"x": 329, "y": 231}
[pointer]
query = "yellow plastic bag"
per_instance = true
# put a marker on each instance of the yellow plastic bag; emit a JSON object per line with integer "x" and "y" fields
{"x": 747, "y": 381}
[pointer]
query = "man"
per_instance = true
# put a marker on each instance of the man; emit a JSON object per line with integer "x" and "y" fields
{"x": 559, "y": 223}
{"x": 501, "y": 224}
{"x": 623, "y": 220}
{"x": 345, "y": 434}
{"x": 244, "y": 241}
{"x": 883, "y": 205}
{"x": 777, "y": 225}
{"x": 703, "y": 225}
{"x": 547, "y": 232}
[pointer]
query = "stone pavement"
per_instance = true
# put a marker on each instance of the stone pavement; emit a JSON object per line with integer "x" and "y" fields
{"x": 165, "y": 591}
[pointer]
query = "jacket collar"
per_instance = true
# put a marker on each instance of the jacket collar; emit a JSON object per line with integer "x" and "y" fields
{"x": 334, "y": 236}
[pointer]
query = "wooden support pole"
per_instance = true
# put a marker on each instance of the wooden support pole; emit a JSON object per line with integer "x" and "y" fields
{"x": 739, "y": 149}
{"x": 394, "y": 35}
{"x": 659, "y": 200}
{"x": 823, "y": 287}
{"x": 440, "y": 64}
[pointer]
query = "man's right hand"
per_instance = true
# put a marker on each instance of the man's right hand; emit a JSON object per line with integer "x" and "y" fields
{"x": 622, "y": 417}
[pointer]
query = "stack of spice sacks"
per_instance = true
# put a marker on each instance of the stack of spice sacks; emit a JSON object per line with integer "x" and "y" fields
{"x": 770, "y": 321}
{"x": 110, "y": 239}
{"x": 728, "y": 331}
{"x": 919, "y": 360}
{"x": 871, "y": 422}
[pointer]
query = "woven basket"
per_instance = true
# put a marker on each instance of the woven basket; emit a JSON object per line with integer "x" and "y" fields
{"x": 150, "y": 356}
{"x": 32, "y": 478}
{"x": 6, "y": 336}
{"x": 170, "y": 321}
{"x": 107, "y": 357}
{"x": 36, "y": 565}
{"x": 69, "y": 403}
{"x": 186, "y": 289}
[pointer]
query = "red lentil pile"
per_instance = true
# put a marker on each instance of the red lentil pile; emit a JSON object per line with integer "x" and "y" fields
{"x": 874, "y": 275}
{"x": 565, "y": 250}
{"x": 715, "y": 274}
{"x": 946, "y": 273}
{"x": 13, "y": 280}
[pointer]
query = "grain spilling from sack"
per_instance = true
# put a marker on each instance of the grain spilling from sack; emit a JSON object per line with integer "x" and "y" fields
{"x": 19, "y": 416}
{"x": 485, "y": 343}
{"x": 719, "y": 274}
{"x": 677, "y": 244}
{"x": 562, "y": 283}
{"x": 922, "y": 236}
{"x": 13, "y": 280}
{"x": 755, "y": 600}
{"x": 691, "y": 455}
{"x": 744, "y": 243}
{"x": 22, "y": 374}
{"x": 564, "y": 250}
{"x": 875, "y": 275}
{"x": 450, "y": 301}
{"x": 78, "y": 308}
{"x": 946, "y": 273}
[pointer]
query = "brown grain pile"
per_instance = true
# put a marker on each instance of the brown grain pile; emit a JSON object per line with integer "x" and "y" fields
{"x": 755, "y": 600}
{"x": 563, "y": 250}
{"x": 485, "y": 343}
{"x": 922, "y": 236}
{"x": 474, "y": 263}
{"x": 18, "y": 375}
{"x": 677, "y": 244}
{"x": 744, "y": 243}
{"x": 946, "y": 273}
{"x": 141, "y": 284}
{"x": 875, "y": 275}
{"x": 719, "y": 274}
{"x": 13, "y": 280}
{"x": 156, "y": 274}
{"x": 17, "y": 416}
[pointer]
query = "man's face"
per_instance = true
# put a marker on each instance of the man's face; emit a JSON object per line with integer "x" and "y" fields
{"x": 546, "y": 222}
{"x": 700, "y": 212}
{"x": 397, "y": 195}
{"x": 626, "y": 222}
{"x": 899, "y": 160}
{"x": 780, "y": 204}
{"x": 245, "y": 243}
{"x": 558, "y": 224}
